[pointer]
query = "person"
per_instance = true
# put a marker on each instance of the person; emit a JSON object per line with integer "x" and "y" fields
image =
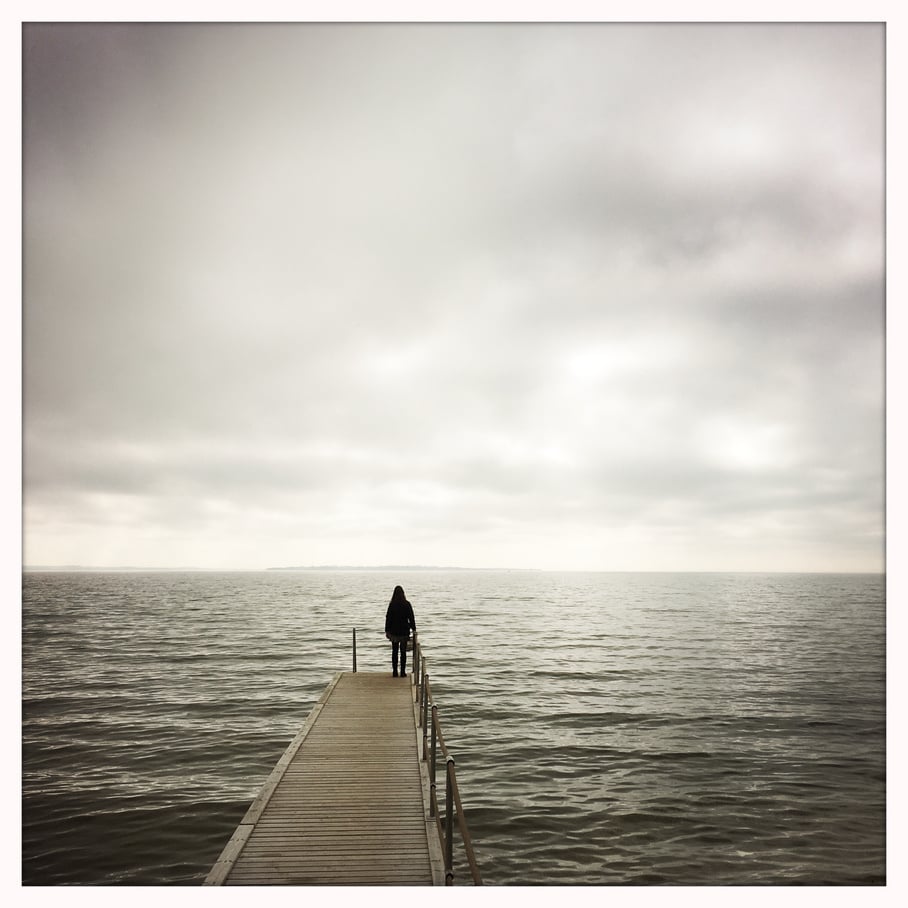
{"x": 398, "y": 621}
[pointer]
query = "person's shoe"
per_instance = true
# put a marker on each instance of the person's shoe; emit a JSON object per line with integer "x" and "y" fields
{"x": 395, "y": 673}
{"x": 403, "y": 674}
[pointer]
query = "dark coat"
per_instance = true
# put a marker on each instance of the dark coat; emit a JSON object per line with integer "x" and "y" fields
{"x": 399, "y": 619}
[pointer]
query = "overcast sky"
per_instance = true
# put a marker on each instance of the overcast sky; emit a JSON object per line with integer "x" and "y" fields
{"x": 604, "y": 297}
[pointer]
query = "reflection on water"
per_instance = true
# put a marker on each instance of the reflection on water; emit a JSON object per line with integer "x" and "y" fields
{"x": 608, "y": 728}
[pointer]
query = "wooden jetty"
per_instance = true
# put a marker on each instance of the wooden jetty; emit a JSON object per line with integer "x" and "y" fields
{"x": 352, "y": 801}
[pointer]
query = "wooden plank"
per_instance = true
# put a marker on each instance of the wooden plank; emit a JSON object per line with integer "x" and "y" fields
{"x": 344, "y": 878}
{"x": 311, "y": 843}
{"x": 345, "y": 826}
{"x": 340, "y": 871}
{"x": 375, "y": 864}
{"x": 304, "y": 876}
{"x": 353, "y": 856}
{"x": 341, "y": 839}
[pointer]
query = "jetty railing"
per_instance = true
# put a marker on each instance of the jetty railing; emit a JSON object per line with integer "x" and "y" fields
{"x": 444, "y": 824}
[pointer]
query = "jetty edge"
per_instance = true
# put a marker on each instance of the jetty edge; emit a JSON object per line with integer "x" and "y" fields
{"x": 353, "y": 799}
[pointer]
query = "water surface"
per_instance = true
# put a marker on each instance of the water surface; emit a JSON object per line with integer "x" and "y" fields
{"x": 608, "y": 728}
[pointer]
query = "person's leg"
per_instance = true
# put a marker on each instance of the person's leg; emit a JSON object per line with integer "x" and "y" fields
{"x": 394, "y": 646}
{"x": 403, "y": 658}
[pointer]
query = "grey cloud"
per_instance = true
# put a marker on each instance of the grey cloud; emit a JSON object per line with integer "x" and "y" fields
{"x": 489, "y": 280}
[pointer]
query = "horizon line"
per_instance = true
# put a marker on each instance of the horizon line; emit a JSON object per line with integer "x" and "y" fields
{"x": 339, "y": 568}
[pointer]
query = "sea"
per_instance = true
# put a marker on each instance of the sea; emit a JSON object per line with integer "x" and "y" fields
{"x": 608, "y": 729}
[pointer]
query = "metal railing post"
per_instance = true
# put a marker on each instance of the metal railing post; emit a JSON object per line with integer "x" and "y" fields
{"x": 449, "y": 824}
{"x": 354, "y": 649}
{"x": 422, "y": 686}
{"x": 425, "y": 717}
{"x": 432, "y": 786}
{"x": 419, "y": 696}
{"x": 416, "y": 660}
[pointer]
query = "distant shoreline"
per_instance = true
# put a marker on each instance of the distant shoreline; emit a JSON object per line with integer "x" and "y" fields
{"x": 390, "y": 567}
